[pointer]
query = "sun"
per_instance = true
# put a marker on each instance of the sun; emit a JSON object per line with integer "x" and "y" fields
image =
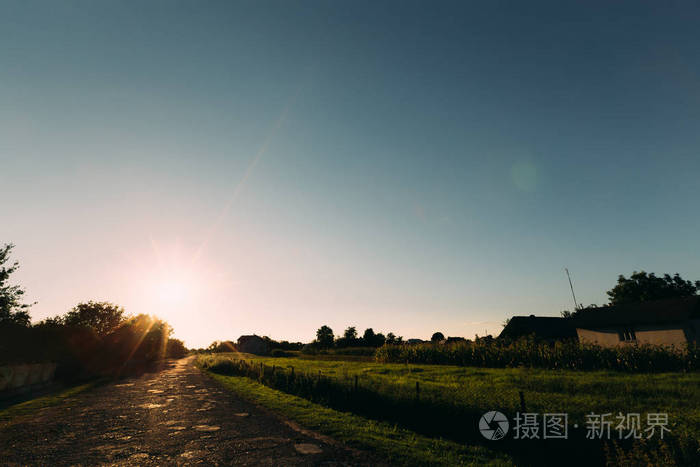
{"x": 172, "y": 291}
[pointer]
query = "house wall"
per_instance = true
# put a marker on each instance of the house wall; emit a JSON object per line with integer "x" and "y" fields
{"x": 602, "y": 337}
{"x": 657, "y": 335}
{"x": 661, "y": 335}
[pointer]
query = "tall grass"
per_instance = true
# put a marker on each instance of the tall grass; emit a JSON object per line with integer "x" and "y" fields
{"x": 560, "y": 355}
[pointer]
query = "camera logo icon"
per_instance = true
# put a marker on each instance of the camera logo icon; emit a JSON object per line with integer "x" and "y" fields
{"x": 493, "y": 425}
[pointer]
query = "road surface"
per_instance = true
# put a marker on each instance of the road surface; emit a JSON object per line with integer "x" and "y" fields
{"x": 177, "y": 416}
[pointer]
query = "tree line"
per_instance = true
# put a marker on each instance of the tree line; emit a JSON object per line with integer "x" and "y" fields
{"x": 325, "y": 338}
{"x": 91, "y": 338}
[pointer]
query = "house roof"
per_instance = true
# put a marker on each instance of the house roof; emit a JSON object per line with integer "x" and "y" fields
{"x": 543, "y": 327}
{"x": 653, "y": 312}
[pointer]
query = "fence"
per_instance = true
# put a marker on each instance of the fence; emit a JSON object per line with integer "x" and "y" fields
{"x": 407, "y": 405}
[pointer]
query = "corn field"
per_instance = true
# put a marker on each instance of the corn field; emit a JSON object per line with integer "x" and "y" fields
{"x": 560, "y": 355}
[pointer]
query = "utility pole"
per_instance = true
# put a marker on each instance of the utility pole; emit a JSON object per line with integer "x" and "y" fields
{"x": 572, "y": 289}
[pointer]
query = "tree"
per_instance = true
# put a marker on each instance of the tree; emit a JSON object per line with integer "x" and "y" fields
{"x": 575, "y": 313}
{"x": 391, "y": 338}
{"x": 175, "y": 349}
{"x": 642, "y": 287}
{"x": 12, "y": 310}
{"x": 368, "y": 337}
{"x": 437, "y": 337}
{"x": 103, "y": 317}
{"x": 350, "y": 334}
{"x": 379, "y": 339}
{"x": 324, "y": 337}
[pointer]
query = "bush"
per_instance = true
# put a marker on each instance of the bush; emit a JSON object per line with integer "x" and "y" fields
{"x": 175, "y": 349}
{"x": 279, "y": 353}
{"x": 81, "y": 353}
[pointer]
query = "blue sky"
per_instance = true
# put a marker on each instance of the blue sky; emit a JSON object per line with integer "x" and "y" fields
{"x": 409, "y": 166}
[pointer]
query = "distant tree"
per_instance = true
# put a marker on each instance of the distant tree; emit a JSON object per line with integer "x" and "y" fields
{"x": 103, "y": 317}
{"x": 368, "y": 337}
{"x": 350, "y": 334}
{"x": 12, "y": 310}
{"x": 642, "y": 287}
{"x": 572, "y": 314}
{"x": 324, "y": 337}
{"x": 437, "y": 337}
{"x": 379, "y": 339}
{"x": 175, "y": 348}
{"x": 222, "y": 346}
{"x": 391, "y": 338}
{"x": 348, "y": 339}
{"x": 51, "y": 322}
{"x": 399, "y": 339}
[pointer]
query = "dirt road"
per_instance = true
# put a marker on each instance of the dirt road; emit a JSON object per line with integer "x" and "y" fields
{"x": 177, "y": 416}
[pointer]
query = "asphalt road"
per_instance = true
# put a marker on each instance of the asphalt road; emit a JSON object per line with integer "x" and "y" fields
{"x": 177, "y": 416}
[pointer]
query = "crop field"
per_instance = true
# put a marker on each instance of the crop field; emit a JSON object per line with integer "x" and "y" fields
{"x": 442, "y": 401}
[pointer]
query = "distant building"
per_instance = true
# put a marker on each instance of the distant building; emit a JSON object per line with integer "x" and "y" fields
{"x": 253, "y": 344}
{"x": 672, "y": 322}
{"x": 542, "y": 328}
{"x": 415, "y": 341}
{"x": 452, "y": 340}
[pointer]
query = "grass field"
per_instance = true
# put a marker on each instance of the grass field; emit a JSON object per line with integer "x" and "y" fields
{"x": 393, "y": 444}
{"x": 476, "y": 390}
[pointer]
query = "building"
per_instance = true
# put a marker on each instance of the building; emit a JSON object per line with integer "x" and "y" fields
{"x": 253, "y": 344}
{"x": 542, "y": 328}
{"x": 672, "y": 322}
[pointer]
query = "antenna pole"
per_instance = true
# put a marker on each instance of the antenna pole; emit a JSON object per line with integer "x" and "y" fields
{"x": 572, "y": 288}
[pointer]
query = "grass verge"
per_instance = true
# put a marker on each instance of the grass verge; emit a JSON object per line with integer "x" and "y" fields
{"x": 391, "y": 443}
{"x": 12, "y": 412}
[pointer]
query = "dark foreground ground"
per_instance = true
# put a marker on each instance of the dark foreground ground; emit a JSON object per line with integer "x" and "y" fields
{"x": 176, "y": 416}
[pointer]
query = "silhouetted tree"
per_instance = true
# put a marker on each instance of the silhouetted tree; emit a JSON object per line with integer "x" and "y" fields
{"x": 642, "y": 287}
{"x": 437, "y": 337}
{"x": 350, "y": 334}
{"x": 12, "y": 310}
{"x": 175, "y": 349}
{"x": 223, "y": 346}
{"x": 324, "y": 337}
{"x": 103, "y": 317}
{"x": 142, "y": 338}
{"x": 391, "y": 338}
{"x": 368, "y": 337}
{"x": 572, "y": 314}
{"x": 379, "y": 339}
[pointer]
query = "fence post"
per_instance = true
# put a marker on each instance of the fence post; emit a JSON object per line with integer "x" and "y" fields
{"x": 355, "y": 383}
{"x": 319, "y": 376}
{"x": 417, "y": 391}
{"x": 522, "y": 401}
{"x": 262, "y": 371}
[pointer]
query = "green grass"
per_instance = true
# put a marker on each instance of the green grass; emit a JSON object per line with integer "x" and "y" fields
{"x": 391, "y": 443}
{"x": 15, "y": 411}
{"x": 574, "y": 392}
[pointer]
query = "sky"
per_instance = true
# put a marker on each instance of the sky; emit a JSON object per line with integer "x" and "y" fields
{"x": 272, "y": 166}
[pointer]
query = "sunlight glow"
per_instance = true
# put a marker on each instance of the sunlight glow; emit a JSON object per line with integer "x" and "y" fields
{"x": 172, "y": 291}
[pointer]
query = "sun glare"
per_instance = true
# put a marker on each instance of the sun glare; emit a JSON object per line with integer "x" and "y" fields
{"x": 172, "y": 291}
